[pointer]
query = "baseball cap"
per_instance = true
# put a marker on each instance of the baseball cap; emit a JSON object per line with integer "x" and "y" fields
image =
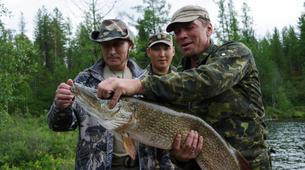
{"x": 187, "y": 14}
{"x": 160, "y": 37}
{"x": 112, "y": 29}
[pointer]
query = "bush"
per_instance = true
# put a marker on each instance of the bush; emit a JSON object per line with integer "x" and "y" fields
{"x": 28, "y": 143}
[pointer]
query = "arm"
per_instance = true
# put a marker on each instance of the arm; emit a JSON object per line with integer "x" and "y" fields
{"x": 224, "y": 69}
{"x": 60, "y": 115}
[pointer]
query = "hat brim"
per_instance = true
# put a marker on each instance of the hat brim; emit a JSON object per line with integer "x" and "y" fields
{"x": 160, "y": 41}
{"x": 95, "y": 37}
{"x": 170, "y": 27}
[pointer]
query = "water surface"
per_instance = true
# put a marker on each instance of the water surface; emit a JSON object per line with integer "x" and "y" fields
{"x": 287, "y": 139}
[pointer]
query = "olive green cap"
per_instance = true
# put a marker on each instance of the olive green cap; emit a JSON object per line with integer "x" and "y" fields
{"x": 187, "y": 14}
{"x": 160, "y": 37}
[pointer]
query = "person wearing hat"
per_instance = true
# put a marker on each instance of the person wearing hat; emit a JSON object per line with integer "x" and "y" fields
{"x": 220, "y": 84}
{"x": 160, "y": 50}
{"x": 97, "y": 147}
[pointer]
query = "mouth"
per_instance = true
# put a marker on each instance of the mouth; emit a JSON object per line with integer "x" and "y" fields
{"x": 185, "y": 45}
{"x": 162, "y": 61}
{"x": 113, "y": 58}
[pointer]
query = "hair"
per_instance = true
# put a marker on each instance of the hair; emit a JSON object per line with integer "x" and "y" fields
{"x": 204, "y": 21}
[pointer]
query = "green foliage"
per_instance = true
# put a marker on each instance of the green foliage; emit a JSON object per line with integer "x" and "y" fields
{"x": 5, "y": 119}
{"x": 155, "y": 16}
{"x": 84, "y": 52}
{"x": 30, "y": 71}
{"x": 301, "y": 58}
{"x": 290, "y": 49}
{"x": 293, "y": 112}
{"x": 27, "y": 143}
{"x": 282, "y": 100}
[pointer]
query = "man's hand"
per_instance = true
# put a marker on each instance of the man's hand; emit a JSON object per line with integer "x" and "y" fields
{"x": 63, "y": 95}
{"x": 190, "y": 149}
{"x": 114, "y": 88}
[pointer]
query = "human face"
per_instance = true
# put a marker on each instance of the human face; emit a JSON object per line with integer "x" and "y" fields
{"x": 193, "y": 37}
{"x": 161, "y": 56}
{"x": 115, "y": 53}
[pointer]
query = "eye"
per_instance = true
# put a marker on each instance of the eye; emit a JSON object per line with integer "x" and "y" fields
{"x": 166, "y": 47}
{"x": 155, "y": 47}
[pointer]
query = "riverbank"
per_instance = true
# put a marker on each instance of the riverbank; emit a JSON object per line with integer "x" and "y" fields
{"x": 297, "y": 112}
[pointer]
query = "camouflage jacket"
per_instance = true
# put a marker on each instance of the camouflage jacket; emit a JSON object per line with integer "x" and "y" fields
{"x": 95, "y": 145}
{"x": 224, "y": 90}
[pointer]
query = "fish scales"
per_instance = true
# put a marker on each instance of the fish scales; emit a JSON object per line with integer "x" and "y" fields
{"x": 157, "y": 126}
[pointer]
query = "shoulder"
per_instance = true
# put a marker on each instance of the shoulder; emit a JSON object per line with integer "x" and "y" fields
{"x": 90, "y": 76}
{"x": 234, "y": 47}
{"x": 82, "y": 76}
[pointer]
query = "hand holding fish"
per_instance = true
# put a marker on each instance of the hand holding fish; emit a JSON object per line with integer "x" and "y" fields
{"x": 64, "y": 96}
{"x": 191, "y": 147}
{"x": 114, "y": 88}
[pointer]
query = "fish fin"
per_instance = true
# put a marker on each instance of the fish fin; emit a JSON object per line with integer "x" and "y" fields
{"x": 129, "y": 146}
{"x": 243, "y": 163}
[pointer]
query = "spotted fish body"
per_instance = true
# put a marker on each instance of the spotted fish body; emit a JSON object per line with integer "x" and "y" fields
{"x": 157, "y": 126}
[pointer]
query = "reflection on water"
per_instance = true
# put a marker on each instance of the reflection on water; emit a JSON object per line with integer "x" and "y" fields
{"x": 287, "y": 139}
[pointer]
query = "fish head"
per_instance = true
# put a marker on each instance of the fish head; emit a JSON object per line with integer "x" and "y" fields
{"x": 110, "y": 119}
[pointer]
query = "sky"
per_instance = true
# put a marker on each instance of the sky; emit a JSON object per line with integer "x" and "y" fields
{"x": 267, "y": 14}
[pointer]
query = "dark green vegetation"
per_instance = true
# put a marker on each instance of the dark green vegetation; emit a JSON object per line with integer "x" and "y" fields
{"x": 30, "y": 71}
{"x": 27, "y": 143}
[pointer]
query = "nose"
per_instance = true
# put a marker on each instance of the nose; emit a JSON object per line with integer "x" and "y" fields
{"x": 181, "y": 34}
{"x": 162, "y": 52}
{"x": 112, "y": 50}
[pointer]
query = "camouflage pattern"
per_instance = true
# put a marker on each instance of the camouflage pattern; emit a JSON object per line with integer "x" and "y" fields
{"x": 95, "y": 144}
{"x": 112, "y": 29}
{"x": 224, "y": 90}
{"x": 187, "y": 14}
{"x": 160, "y": 37}
{"x": 149, "y": 70}
{"x": 161, "y": 158}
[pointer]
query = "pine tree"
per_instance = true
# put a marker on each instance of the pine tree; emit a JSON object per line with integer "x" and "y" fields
{"x": 301, "y": 58}
{"x": 290, "y": 49}
{"x": 155, "y": 16}
{"x": 233, "y": 23}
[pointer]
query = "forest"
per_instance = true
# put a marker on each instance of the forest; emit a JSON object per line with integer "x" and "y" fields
{"x": 31, "y": 70}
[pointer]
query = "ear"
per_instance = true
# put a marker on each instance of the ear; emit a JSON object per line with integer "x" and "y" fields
{"x": 148, "y": 52}
{"x": 174, "y": 50}
{"x": 130, "y": 46}
{"x": 209, "y": 29}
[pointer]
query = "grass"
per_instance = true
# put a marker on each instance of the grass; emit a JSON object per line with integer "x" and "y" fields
{"x": 26, "y": 142}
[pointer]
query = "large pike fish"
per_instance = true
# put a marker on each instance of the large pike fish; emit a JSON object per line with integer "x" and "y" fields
{"x": 156, "y": 126}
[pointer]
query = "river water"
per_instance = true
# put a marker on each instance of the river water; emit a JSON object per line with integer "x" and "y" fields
{"x": 287, "y": 140}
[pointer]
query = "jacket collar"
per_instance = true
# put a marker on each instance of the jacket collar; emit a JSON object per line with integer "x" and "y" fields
{"x": 97, "y": 69}
{"x": 151, "y": 72}
{"x": 186, "y": 61}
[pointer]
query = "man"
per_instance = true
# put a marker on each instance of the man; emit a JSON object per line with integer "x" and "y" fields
{"x": 98, "y": 148}
{"x": 218, "y": 83}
